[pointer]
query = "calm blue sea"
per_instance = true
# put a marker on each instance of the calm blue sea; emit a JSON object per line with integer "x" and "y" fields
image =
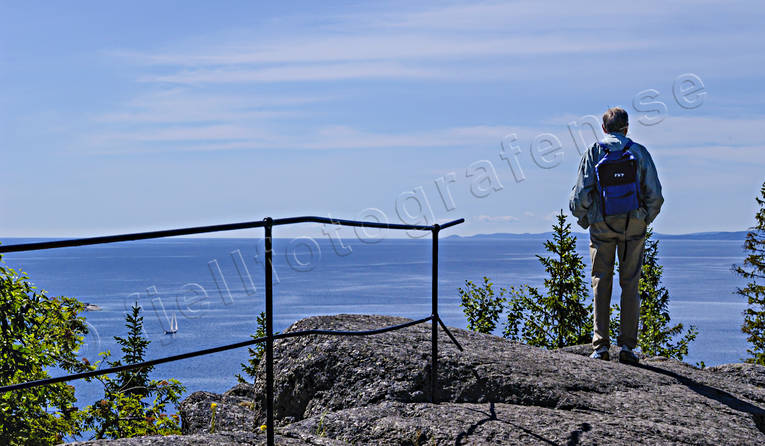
{"x": 216, "y": 295}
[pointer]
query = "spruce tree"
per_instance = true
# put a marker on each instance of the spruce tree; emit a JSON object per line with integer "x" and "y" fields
{"x": 655, "y": 334}
{"x": 133, "y": 351}
{"x": 256, "y": 353}
{"x": 133, "y": 405}
{"x": 753, "y": 270}
{"x": 560, "y": 316}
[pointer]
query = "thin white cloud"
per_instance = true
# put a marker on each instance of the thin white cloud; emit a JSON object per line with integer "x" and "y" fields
{"x": 236, "y": 137}
{"x": 344, "y": 137}
{"x": 313, "y": 72}
{"x": 179, "y": 134}
{"x": 551, "y": 216}
{"x": 191, "y": 115}
{"x": 495, "y": 218}
{"x": 365, "y": 48}
{"x": 503, "y": 15}
{"x": 182, "y": 105}
{"x": 703, "y": 131}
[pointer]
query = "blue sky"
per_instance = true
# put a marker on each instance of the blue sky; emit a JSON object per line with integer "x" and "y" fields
{"x": 153, "y": 115}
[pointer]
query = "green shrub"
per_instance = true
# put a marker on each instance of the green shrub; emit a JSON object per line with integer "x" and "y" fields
{"x": 37, "y": 332}
{"x": 481, "y": 305}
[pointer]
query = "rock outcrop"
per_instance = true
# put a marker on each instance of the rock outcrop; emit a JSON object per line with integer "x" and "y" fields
{"x": 375, "y": 390}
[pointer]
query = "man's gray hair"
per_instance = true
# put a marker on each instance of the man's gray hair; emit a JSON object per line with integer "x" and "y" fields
{"x": 615, "y": 120}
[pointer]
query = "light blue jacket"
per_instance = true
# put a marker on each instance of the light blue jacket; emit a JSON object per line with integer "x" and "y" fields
{"x": 584, "y": 201}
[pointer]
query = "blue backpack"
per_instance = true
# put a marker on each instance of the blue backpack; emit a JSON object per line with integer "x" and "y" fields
{"x": 616, "y": 177}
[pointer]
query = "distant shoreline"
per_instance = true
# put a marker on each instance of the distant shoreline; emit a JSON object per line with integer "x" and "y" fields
{"x": 721, "y": 235}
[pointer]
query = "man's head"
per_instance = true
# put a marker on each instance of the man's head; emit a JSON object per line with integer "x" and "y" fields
{"x": 615, "y": 121}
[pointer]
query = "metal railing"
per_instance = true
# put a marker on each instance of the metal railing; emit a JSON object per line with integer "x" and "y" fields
{"x": 268, "y": 224}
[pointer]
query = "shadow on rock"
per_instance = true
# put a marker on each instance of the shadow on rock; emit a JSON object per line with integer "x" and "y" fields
{"x": 721, "y": 396}
{"x": 492, "y": 416}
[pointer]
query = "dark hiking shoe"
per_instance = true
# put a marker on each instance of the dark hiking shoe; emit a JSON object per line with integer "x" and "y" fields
{"x": 627, "y": 356}
{"x": 601, "y": 353}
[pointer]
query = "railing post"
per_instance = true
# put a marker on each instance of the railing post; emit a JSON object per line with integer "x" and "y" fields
{"x": 269, "y": 333}
{"x": 434, "y": 321}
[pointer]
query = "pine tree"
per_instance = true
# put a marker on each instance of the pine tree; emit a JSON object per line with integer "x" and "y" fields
{"x": 655, "y": 334}
{"x": 559, "y": 317}
{"x": 753, "y": 270}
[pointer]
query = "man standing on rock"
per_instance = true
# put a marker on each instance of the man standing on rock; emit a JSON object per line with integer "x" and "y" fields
{"x": 617, "y": 195}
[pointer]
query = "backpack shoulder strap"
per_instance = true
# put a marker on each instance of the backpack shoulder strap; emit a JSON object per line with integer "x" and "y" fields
{"x": 625, "y": 148}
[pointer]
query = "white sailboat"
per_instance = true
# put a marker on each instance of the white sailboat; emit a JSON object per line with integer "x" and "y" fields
{"x": 173, "y": 326}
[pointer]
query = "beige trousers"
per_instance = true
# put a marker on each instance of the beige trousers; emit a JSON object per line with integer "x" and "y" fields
{"x": 605, "y": 242}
